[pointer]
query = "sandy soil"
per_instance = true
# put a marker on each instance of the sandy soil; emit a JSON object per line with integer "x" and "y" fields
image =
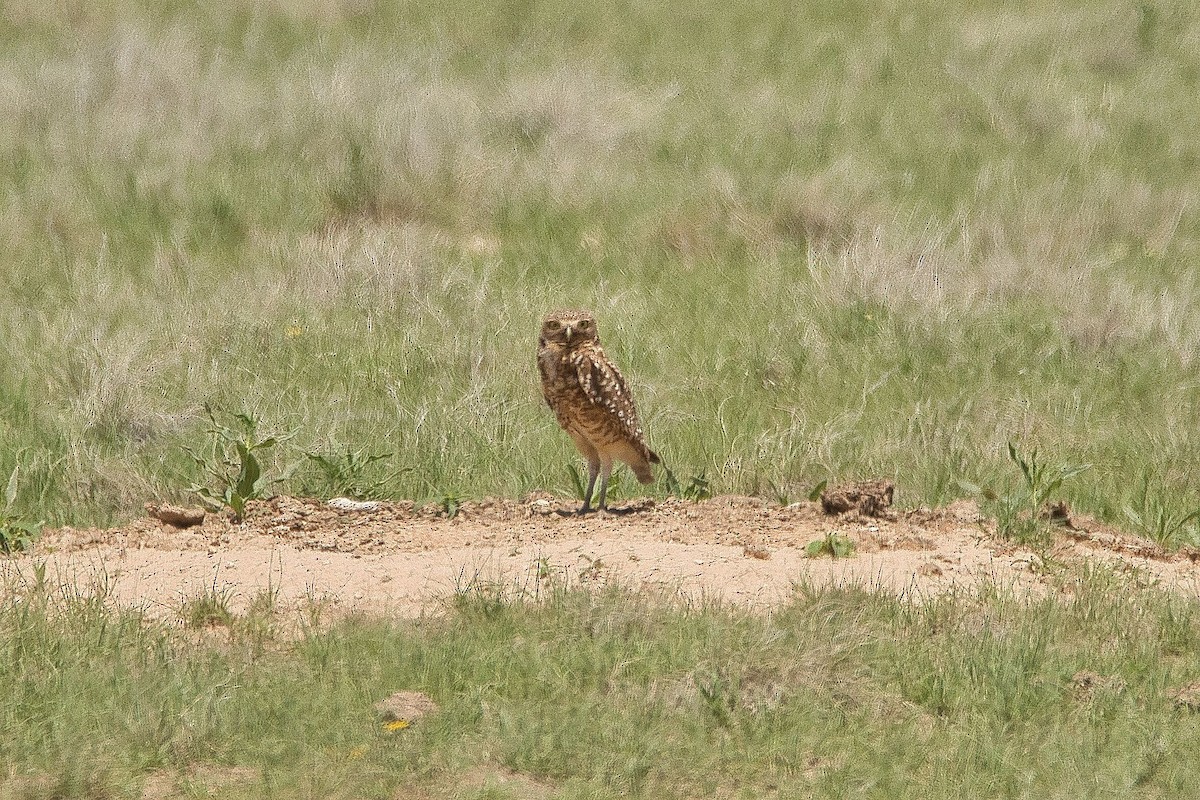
{"x": 397, "y": 559}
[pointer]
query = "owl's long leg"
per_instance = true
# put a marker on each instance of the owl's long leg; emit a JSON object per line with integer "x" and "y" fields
{"x": 605, "y": 470}
{"x": 593, "y": 471}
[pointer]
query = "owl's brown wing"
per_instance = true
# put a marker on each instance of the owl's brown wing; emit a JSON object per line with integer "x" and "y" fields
{"x": 605, "y": 386}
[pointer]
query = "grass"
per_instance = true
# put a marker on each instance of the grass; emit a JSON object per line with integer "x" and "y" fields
{"x": 584, "y": 694}
{"x": 822, "y": 243}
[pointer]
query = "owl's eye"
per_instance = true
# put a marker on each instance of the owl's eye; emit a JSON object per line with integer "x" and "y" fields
{"x": 584, "y": 324}
{"x": 553, "y": 326}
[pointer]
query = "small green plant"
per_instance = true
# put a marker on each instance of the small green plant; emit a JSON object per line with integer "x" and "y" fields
{"x": 451, "y": 504}
{"x": 696, "y": 489}
{"x": 477, "y": 597}
{"x": 545, "y": 570}
{"x": 1019, "y": 513}
{"x": 1042, "y": 480}
{"x": 1152, "y": 519}
{"x": 353, "y": 473}
{"x": 40, "y": 585}
{"x": 832, "y": 544}
{"x": 784, "y": 498}
{"x": 576, "y": 481}
{"x": 780, "y": 494}
{"x": 231, "y": 462}
{"x": 16, "y": 533}
{"x": 720, "y": 698}
{"x": 258, "y": 626}
{"x": 206, "y": 610}
{"x": 594, "y": 569}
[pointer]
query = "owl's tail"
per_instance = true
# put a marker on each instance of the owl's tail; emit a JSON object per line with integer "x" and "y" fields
{"x": 642, "y": 468}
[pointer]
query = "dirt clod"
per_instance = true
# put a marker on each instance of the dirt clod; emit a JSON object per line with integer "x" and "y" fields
{"x": 1086, "y": 683}
{"x": 1186, "y": 697}
{"x": 176, "y": 516}
{"x": 405, "y": 706}
{"x": 1057, "y": 513}
{"x": 869, "y": 498}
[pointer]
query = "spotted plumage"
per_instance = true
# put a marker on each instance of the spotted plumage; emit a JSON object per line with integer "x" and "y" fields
{"x": 591, "y": 400}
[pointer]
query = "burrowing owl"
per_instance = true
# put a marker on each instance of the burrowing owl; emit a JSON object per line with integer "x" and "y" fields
{"x": 588, "y": 394}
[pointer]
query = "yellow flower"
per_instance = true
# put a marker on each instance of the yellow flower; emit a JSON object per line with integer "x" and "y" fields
{"x": 398, "y": 725}
{"x": 292, "y": 331}
{"x": 358, "y": 752}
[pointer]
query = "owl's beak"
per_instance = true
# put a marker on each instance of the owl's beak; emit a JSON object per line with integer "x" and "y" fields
{"x": 569, "y": 329}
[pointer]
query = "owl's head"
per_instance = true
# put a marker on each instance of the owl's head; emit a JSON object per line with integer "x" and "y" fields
{"x": 569, "y": 328}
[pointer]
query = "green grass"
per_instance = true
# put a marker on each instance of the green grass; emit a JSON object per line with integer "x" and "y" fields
{"x": 822, "y": 243}
{"x": 838, "y": 694}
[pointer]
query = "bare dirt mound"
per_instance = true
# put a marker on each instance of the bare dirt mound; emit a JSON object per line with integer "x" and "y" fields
{"x": 392, "y": 557}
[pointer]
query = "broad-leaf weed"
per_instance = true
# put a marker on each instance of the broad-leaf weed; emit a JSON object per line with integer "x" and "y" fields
{"x": 231, "y": 463}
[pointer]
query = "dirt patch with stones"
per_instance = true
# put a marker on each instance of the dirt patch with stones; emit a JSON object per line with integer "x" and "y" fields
{"x": 396, "y": 558}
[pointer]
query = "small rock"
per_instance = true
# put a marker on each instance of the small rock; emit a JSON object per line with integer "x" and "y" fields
{"x": 346, "y": 504}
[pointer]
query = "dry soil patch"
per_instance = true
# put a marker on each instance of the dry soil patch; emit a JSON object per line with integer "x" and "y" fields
{"x": 394, "y": 558}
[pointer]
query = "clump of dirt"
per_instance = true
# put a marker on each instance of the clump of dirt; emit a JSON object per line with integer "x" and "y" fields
{"x": 405, "y": 706}
{"x": 397, "y": 557}
{"x": 176, "y": 516}
{"x": 1086, "y": 684}
{"x": 869, "y": 498}
{"x": 1186, "y": 697}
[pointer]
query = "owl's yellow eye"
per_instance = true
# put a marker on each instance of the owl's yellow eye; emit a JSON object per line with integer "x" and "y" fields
{"x": 584, "y": 324}
{"x": 553, "y": 326}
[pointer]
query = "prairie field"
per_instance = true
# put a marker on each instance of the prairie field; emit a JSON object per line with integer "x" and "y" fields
{"x": 876, "y": 241}
{"x": 950, "y": 245}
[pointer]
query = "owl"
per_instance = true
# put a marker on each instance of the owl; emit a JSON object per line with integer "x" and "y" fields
{"x": 589, "y": 397}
